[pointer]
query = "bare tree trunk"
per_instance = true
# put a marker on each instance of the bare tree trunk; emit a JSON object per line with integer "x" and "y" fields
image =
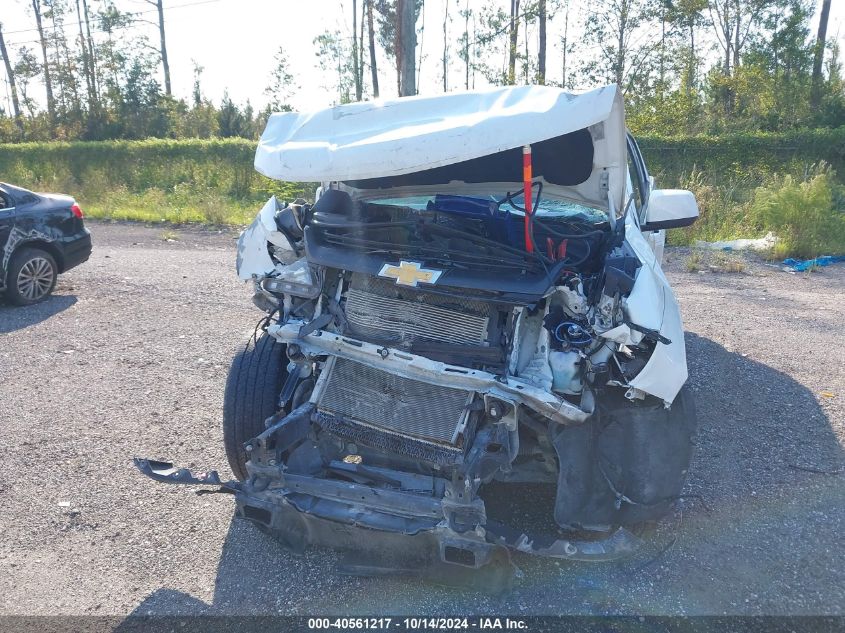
{"x": 565, "y": 45}
{"x": 407, "y": 35}
{"x": 92, "y": 51}
{"x": 738, "y": 18}
{"x": 372, "y": 37}
{"x": 397, "y": 48}
{"x": 361, "y": 45}
{"x": 619, "y": 69}
{"x": 725, "y": 25}
{"x": 48, "y": 83}
{"x": 816, "y": 93}
{"x": 474, "y": 50}
{"x": 662, "y": 49}
{"x": 466, "y": 44}
{"x": 87, "y": 63}
{"x": 541, "y": 52}
{"x": 527, "y": 63}
{"x": 514, "y": 41}
{"x": 16, "y": 105}
{"x": 692, "y": 59}
{"x": 356, "y": 69}
{"x": 446, "y": 47}
{"x": 164, "y": 63}
{"x": 420, "y": 42}
{"x": 726, "y": 31}
{"x": 59, "y": 44}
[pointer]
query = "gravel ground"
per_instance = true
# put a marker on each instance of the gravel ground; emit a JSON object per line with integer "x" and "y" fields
{"x": 130, "y": 357}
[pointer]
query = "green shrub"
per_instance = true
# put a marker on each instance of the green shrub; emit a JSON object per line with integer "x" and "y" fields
{"x": 722, "y": 208}
{"x": 215, "y": 207}
{"x": 807, "y": 216}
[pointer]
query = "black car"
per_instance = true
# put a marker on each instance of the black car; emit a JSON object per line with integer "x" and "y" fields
{"x": 41, "y": 235}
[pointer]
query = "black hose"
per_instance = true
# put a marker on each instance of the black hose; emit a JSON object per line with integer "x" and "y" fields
{"x": 533, "y": 220}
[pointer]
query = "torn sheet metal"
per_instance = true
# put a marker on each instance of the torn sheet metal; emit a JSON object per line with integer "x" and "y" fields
{"x": 166, "y": 472}
{"x": 253, "y": 259}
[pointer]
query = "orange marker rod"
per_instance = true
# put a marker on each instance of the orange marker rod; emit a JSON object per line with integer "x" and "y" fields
{"x": 526, "y": 182}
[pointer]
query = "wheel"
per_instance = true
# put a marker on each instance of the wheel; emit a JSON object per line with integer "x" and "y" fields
{"x": 32, "y": 276}
{"x": 256, "y": 378}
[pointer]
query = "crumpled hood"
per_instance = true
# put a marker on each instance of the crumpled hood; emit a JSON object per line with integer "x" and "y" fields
{"x": 379, "y": 139}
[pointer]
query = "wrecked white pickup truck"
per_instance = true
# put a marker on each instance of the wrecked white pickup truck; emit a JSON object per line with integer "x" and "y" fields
{"x": 474, "y": 301}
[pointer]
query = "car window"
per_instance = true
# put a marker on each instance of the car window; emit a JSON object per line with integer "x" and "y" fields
{"x": 5, "y": 201}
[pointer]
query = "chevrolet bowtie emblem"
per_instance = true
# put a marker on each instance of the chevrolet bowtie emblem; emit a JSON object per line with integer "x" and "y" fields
{"x": 410, "y": 273}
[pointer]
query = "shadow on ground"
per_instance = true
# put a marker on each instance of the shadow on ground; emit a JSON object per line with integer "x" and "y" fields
{"x": 756, "y": 533}
{"x": 13, "y": 318}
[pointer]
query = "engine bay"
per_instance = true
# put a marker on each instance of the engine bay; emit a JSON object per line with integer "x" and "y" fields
{"x": 570, "y": 336}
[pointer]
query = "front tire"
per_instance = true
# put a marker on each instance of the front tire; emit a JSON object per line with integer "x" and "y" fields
{"x": 32, "y": 276}
{"x": 256, "y": 377}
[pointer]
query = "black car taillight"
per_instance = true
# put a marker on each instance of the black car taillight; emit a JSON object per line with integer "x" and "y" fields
{"x": 76, "y": 210}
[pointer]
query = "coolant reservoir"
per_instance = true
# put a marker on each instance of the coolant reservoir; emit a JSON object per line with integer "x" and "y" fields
{"x": 565, "y": 375}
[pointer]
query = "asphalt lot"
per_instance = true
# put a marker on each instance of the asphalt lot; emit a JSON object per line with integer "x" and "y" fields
{"x": 130, "y": 357}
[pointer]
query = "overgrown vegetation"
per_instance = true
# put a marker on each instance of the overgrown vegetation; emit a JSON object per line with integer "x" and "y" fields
{"x": 743, "y": 157}
{"x": 807, "y": 216}
{"x": 804, "y": 210}
{"x": 207, "y": 181}
{"x": 750, "y": 184}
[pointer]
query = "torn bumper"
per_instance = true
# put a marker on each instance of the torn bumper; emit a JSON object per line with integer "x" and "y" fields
{"x": 389, "y": 532}
{"x": 378, "y": 544}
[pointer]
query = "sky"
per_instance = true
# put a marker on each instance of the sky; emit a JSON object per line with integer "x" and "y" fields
{"x": 235, "y": 42}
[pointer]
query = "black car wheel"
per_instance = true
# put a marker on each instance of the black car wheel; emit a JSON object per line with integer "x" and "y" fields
{"x": 256, "y": 378}
{"x": 32, "y": 276}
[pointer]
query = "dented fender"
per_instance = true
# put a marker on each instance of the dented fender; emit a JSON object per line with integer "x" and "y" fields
{"x": 652, "y": 304}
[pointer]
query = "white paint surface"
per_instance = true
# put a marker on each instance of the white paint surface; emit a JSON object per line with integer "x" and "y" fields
{"x": 401, "y": 136}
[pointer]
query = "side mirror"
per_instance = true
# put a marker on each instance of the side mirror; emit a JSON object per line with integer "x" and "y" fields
{"x": 670, "y": 209}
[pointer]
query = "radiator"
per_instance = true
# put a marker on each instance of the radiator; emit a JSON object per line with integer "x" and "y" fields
{"x": 360, "y": 393}
{"x": 382, "y": 312}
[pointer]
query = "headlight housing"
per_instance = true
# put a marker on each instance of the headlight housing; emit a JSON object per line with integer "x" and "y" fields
{"x": 297, "y": 279}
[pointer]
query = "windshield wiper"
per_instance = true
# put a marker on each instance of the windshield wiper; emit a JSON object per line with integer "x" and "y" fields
{"x": 481, "y": 251}
{"x": 422, "y": 226}
{"x": 462, "y": 259}
{"x": 498, "y": 247}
